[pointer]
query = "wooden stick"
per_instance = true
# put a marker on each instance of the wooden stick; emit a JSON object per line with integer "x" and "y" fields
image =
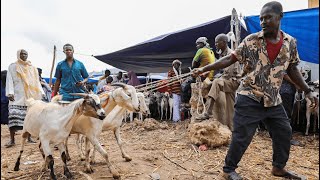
{"x": 174, "y": 162}
{"x": 85, "y": 175}
{"x": 53, "y": 61}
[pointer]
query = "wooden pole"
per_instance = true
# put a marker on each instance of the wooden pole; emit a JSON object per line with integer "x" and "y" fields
{"x": 53, "y": 61}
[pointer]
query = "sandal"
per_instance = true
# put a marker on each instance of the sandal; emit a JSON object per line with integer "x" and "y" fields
{"x": 291, "y": 175}
{"x": 9, "y": 144}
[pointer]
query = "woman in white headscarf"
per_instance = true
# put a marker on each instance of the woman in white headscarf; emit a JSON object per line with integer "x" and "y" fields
{"x": 22, "y": 83}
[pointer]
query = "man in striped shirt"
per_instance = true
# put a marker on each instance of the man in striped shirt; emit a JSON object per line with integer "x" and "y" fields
{"x": 175, "y": 89}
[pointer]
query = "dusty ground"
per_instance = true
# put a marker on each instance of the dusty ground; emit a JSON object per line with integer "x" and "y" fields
{"x": 157, "y": 151}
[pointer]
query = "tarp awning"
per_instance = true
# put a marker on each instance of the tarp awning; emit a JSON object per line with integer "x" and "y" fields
{"x": 157, "y": 54}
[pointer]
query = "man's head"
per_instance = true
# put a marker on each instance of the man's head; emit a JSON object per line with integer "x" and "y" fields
{"x": 107, "y": 73}
{"x": 119, "y": 75}
{"x": 23, "y": 55}
{"x": 270, "y": 17}
{"x": 176, "y": 64}
{"x": 221, "y": 42}
{"x": 109, "y": 79}
{"x": 68, "y": 50}
{"x": 202, "y": 42}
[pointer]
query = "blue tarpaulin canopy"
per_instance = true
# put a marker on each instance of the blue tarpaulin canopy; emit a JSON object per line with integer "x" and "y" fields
{"x": 157, "y": 54}
{"x": 302, "y": 25}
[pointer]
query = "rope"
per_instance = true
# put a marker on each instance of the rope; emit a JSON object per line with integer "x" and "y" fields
{"x": 200, "y": 97}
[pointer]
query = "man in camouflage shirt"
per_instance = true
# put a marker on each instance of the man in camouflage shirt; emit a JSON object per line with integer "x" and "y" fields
{"x": 267, "y": 55}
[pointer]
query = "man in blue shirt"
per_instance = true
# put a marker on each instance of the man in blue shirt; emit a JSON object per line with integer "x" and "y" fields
{"x": 71, "y": 74}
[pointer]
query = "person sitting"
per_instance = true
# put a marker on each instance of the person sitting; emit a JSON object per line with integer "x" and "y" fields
{"x": 107, "y": 87}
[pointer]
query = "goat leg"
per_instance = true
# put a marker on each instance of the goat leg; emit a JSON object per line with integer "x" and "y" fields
{"x": 23, "y": 142}
{"x": 99, "y": 148}
{"x": 308, "y": 113}
{"x": 119, "y": 141}
{"x": 87, "y": 163}
{"x": 67, "y": 152}
{"x": 62, "y": 150}
{"x": 79, "y": 145}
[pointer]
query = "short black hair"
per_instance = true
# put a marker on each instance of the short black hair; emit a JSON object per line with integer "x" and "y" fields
{"x": 67, "y": 45}
{"x": 275, "y": 6}
{"x": 107, "y": 71}
{"x": 109, "y": 79}
{"x": 39, "y": 70}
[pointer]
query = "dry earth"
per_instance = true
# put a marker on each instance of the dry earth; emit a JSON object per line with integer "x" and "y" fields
{"x": 165, "y": 149}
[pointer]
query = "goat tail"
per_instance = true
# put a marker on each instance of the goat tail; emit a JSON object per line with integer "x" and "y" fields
{"x": 30, "y": 102}
{"x": 56, "y": 98}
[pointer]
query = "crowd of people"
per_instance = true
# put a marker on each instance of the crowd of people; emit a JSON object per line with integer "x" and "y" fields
{"x": 259, "y": 79}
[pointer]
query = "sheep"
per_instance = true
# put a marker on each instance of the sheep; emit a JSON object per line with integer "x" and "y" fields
{"x": 91, "y": 127}
{"x": 309, "y": 111}
{"x": 164, "y": 104}
{"x": 52, "y": 123}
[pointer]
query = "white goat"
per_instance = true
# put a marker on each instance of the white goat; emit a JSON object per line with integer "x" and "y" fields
{"x": 113, "y": 122}
{"x": 164, "y": 104}
{"x": 52, "y": 123}
{"x": 170, "y": 107}
{"x": 91, "y": 127}
{"x": 314, "y": 111}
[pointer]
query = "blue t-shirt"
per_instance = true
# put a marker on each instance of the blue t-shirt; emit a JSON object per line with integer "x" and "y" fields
{"x": 69, "y": 77}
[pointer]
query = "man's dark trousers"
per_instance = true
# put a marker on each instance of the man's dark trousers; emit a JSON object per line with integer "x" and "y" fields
{"x": 248, "y": 114}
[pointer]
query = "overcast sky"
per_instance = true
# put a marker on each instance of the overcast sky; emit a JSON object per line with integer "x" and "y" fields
{"x": 98, "y": 27}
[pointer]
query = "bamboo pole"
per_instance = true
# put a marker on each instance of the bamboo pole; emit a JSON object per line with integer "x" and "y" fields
{"x": 53, "y": 61}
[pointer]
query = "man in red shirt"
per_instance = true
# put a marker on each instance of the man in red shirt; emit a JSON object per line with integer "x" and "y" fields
{"x": 268, "y": 54}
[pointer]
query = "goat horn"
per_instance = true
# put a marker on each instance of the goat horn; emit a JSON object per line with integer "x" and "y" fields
{"x": 79, "y": 94}
{"x": 120, "y": 85}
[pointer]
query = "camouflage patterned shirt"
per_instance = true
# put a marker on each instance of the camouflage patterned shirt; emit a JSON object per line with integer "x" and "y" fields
{"x": 263, "y": 80}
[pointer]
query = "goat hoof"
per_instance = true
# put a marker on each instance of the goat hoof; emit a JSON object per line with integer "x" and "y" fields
{"x": 89, "y": 170}
{"x": 16, "y": 168}
{"x": 128, "y": 159}
{"x": 82, "y": 158}
{"x": 116, "y": 176}
{"x": 68, "y": 175}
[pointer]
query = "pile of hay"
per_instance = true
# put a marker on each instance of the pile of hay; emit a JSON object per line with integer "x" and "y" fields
{"x": 210, "y": 132}
{"x": 150, "y": 124}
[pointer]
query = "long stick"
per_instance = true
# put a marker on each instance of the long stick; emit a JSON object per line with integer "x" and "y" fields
{"x": 53, "y": 61}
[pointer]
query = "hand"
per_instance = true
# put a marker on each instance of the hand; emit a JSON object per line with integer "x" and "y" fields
{"x": 79, "y": 83}
{"x": 197, "y": 71}
{"x": 11, "y": 97}
{"x": 314, "y": 99}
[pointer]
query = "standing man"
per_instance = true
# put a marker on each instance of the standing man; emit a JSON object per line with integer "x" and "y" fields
{"x": 227, "y": 83}
{"x": 71, "y": 74}
{"x": 268, "y": 54}
{"x": 204, "y": 55}
{"x": 175, "y": 89}
{"x": 45, "y": 86}
{"x": 22, "y": 83}
{"x": 102, "y": 80}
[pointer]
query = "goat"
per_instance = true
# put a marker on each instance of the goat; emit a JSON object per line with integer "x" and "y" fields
{"x": 52, "y": 123}
{"x": 164, "y": 104}
{"x": 91, "y": 127}
{"x": 158, "y": 96}
{"x": 314, "y": 111}
{"x": 113, "y": 122}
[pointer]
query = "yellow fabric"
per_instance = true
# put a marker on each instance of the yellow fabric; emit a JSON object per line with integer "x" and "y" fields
{"x": 205, "y": 56}
{"x": 30, "y": 78}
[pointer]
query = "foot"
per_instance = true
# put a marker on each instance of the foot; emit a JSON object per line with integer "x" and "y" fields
{"x": 31, "y": 140}
{"x": 232, "y": 176}
{"x": 286, "y": 174}
{"x": 10, "y": 144}
{"x": 203, "y": 117}
{"x": 295, "y": 142}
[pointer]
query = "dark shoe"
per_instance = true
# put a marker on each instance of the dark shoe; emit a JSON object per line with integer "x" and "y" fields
{"x": 295, "y": 143}
{"x": 10, "y": 144}
{"x": 286, "y": 174}
{"x": 232, "y": 176}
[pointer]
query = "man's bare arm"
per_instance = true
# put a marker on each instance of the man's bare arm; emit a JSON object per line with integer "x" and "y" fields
{"x": 56, "y": 87}
{"x": 220, "y": 64}
{"x": 296, "y": 77}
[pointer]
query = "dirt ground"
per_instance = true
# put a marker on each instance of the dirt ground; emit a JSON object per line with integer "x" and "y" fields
{"x": 165, "y": 150}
